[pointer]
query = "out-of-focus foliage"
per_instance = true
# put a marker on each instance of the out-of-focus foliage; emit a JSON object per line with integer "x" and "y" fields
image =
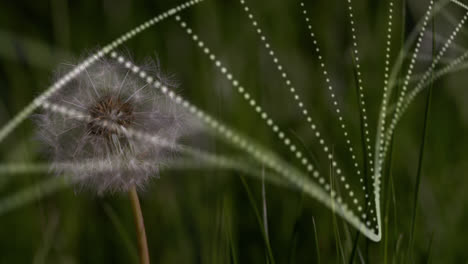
{"x": 205, "y": 216}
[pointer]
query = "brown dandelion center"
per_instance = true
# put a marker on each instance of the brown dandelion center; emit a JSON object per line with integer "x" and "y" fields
{"x": 112, "y": 110}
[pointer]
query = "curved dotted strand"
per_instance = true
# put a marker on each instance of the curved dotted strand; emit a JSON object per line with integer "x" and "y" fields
{"x": 382, "y": 118}
{"x": 246, "y": 96}
{"x": 233, "y": 137}
{"x": 401, "y": 109}
{"x": 301, "y": 105}
{"x": 335, "y": 103}
{"x": 362, "y": 101}
{"x": 460, "y": 4}
{"x": 290, "y": 173}
{"x": 220, "y": 128}
{"x": 200, "y": 155}
{"x": 437, "y": 59}
{"x": 270, "y": 123}
{"x": 407, "y": 79}
{"x": 446, "y": 70}
{"x": 28, "y": 110}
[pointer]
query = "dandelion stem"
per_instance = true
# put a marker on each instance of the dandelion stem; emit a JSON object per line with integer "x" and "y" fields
{"x": 140, "y": 227}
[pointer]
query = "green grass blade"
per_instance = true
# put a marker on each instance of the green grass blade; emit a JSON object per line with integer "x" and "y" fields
{"x": 228, "y": 229}
{"x": 32, "y": 193}
{"x": 421, "y": 152}
{"x": 259, "y": 218}
{"x": 389, "y": 190}
{"x": 295, "y": 232}
{"x": 387, "y": 201}
{"x": 316, "y": 240}
{"x": 361, "y": 124}
{"x": 265, "y": 212}
{"x": 429, "y": 250}
{"x": 355, "y": 246}
{"x": 336, "y": 229}
{"x": 125, "y": 238}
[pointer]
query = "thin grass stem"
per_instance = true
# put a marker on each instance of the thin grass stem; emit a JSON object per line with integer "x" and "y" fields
{"x": 140, "y": 226}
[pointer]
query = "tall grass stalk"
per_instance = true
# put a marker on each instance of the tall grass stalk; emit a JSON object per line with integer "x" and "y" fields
{"x": 364, "y": 149}
{"x": 259, "y": 219}
{"x": 265, "y": 211}
{"x": 429, "y": 250}
{"x": 421, "y": 154}
{"x": 317, "y": 248}
{"x": 228, "y": 225}
{"x": 355, "y": 246}
{"x": 389, "y": 183}
{"x": 336, "y": 229}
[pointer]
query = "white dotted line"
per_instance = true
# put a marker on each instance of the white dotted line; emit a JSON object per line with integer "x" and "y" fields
{"x": 141, "y": 135}
{"x": 258, "y": 109}
{"x": 460, "y": 4}
{"x": 301, "y": 105}
{"x": 362, "y": 101}
{"x": 386, "y": 72}
{"x": 277, "y": 165}
{"x": 401, "y": 109}
{"x": 384, "y": 136}
{"x": 232, "y": 136}
{"x": 446, "y": 70}
{"x": 389, "y": 133}
{"x": 408, "y": 75}
{"x": 28, "y": 110}
{"x": 335, "y": 102}
{"x": 439, "y": 56}
{"x": 80, "y": 116}
{"x": 252, "y": 103}
{"x": 382, "y": 119}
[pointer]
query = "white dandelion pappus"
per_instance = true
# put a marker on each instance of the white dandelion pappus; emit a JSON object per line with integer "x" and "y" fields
{"x": 107, "y": 92}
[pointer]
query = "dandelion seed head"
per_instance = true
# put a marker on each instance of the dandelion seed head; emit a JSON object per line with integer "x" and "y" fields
{"x": 109, "y": 93}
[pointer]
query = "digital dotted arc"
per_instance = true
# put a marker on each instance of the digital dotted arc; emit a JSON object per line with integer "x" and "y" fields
{"x": 460, "y": 4}
{"x": 452, "y": 67}
{"x": 289, "y": 173}
{"x": 302, "y": 107}
{"x": 214, "y": 159}
{"x": 28, "y": 110}
{"x": 331, "y": 93}
{"x": 437, "y": 59}
{"x": 382, "y": 118}
{"x": 236, "y": 139}
{"x": 383, "y": 133}
{"x": 270, "y": 123}
{"x": 362, "y": 101}
{"x": 407, "y": 78}
{"x": 400, "y": 108}
{"x": 252, "y": 102}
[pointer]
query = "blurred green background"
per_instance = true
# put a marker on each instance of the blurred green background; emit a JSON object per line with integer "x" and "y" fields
{"x": 205, "y": 216}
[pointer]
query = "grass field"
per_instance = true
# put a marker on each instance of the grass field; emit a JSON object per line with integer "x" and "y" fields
{"x": 277, "y": 131}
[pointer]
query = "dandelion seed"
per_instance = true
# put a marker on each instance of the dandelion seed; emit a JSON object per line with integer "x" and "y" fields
{"x": 108, "y": 94}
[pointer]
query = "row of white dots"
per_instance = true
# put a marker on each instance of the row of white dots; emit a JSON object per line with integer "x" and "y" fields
{"x": 362, "y": 102}
{"x": 401, "y": 109}
{"x": 140, "y": 135}
{"x": 335, "y": 102}
{"x": 252, "y": 102}
{"x": 129, "y": 132}
{"x": 239, "y": 141}
{"x": 18, "y": 119}
{"x": 305, "y": 112}
{"x": 367, "y": 142}
{"x": 382, "y": 119}
{"x": 386, "y": 135}
{"x": 220, "y": 128}
{"x": 258, "y": 109}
